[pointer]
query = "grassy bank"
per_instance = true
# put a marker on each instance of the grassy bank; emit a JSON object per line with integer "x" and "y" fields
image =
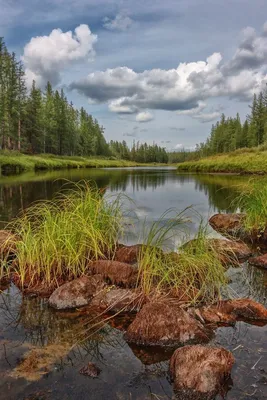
{"x": 16, "y": 162}
{"x": 248, "y": 161}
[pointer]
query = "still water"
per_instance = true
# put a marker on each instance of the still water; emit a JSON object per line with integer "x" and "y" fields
{"x": 126, "y": 372}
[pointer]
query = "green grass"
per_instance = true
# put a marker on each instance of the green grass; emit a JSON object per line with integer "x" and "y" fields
{"x": 194, "y": 274}
{"x": 17, "y": 162}
{"x": 253, "y": 202}
{"x": 57, "y": 238}
{"x": 249, "y": 161}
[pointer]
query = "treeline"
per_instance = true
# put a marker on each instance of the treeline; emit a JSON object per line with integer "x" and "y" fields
{"x": 141, "y": 153}
{"x": 39, "y": 121}
{"x": 230, "y": 134}
{"x": 42, "y": 122}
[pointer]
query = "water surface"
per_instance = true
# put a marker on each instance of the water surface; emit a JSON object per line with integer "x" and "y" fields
{"x": 127, "y": 372}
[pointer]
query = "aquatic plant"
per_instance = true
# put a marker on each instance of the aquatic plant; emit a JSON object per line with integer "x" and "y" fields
{"x": 194, "y": 273}
{"x": 58, "y": 238}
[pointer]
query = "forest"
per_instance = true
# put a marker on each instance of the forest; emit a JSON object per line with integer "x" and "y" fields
{"x": 45, "y": 122}
{"x": 230, "y": 134}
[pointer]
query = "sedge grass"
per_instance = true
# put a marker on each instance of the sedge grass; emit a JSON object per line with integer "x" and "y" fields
{"x": 58, "y": 238}
{"x": 195, "y": 273}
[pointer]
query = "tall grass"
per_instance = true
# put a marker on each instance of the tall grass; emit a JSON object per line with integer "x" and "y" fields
{"x": 253, "y": 202}
{"x": 58, "y": 238}
{"x": 194, "y": 273}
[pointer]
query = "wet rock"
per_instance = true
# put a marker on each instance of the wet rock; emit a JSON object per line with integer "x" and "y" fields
{"x": 200, "y": 372}
{"x": 91, "y": 370}
{"x": 116, "y": 272}
{"x": 260, "y": 261}
{"x": 76, "y": 293}
{"x": 128, "y": 254}
{"x": 119, "y": 300}
{"x": 7, "y": 243}
{"x": 229, "y": 311}
{"x": 162, "y": 324}
{"x": 231, "y": 250}
{"x": 228, "y": 224}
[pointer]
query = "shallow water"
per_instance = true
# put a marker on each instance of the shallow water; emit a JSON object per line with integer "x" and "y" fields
{"x": 126, "y": 373}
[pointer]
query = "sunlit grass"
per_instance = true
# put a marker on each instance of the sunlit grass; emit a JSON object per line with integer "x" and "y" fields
{"x": 58, "y": 238}
{"x": 194, "y": 273}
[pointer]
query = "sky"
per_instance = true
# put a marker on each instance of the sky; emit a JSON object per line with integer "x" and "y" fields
{"x": 151, "y": 70}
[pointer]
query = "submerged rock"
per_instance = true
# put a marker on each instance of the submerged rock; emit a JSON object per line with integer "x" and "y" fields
{"x": 228, "y": 224}
{"x": 76, "y": 293}
{"x": 91, "y": 370}
{"x": 200, "y": 372}
{"x": 128, "y": 254}
{"x": 119, "y": 300}
{"x": 115, "y": 272}
{"x": 159, "y": 323}
{"x": 229, "y": 311}
{"x": 260, "y": 261}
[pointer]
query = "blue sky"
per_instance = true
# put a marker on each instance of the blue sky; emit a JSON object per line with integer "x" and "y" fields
{"x": 148, "y": 70}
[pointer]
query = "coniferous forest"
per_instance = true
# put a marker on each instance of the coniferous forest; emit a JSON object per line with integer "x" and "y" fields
{"x": 38, "y": 122}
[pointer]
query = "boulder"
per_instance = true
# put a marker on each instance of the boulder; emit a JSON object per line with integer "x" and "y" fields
{"x": 162, "y": 324}
{"x": 200, "y": 372}
{"x": 229, "y": 311}
{"x": 76, "y": 293}
{"x": 231, "y": 250}
{"x": 119, "y": 300}
{"x": 128, "y": 254}
{"x": 260, "y": 261}
{"x": 115, "y": 272}
{"x": 228, "y": 224}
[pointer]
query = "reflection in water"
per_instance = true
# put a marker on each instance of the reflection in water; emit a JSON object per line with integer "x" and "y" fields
{"x": 27, "y": 324}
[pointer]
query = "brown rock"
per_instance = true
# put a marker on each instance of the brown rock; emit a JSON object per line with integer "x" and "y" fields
{"x": 119, "y": 300}
{"x": 260, "y": 261}
{"x": 200, "y": 372}
{"x": 76, "y": 293}
{"x": 128, "y": 254}
{"x": 115, "y": 272}
{"x": 91, "y": 370}
{"x": 231, "y": 250}
{"x": 227, "y": 224}
{"x": 165, "y": 324}
{"x": 229, "y": 311}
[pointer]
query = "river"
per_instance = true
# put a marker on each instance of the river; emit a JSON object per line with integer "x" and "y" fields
{"x": 126, "y": 372}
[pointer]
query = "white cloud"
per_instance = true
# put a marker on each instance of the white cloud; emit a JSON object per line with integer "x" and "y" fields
{"x": 120, "y": 23}
{"x": 179, "y": 146}
{"x": 207, "y": 117}
{"x": 46, "y": 56}
{"x": 144, "y": 116}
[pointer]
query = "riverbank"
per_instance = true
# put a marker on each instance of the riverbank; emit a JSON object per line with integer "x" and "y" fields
{"x": 247, "y": 161}
{"x": 14, "y": 162}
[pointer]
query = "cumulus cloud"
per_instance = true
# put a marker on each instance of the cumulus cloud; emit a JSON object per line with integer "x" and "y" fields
{"x": 121, "y": 22}
{"x": 144, "y": 116}
{"x": 179, "y": 146}
{"x": 184, "y": 89}
{"x": 45, "y": 57}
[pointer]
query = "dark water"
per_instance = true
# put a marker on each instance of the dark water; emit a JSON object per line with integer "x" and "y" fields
{"x": 127, "y": 373}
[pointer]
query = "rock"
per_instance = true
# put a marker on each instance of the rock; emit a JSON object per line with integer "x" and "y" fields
{"x": 91, "y": 370}
{"x": 231, "y": 250}
{"x": 229, "y": 311}
{"x": 163, "y": 324}
{"x": 116, "y": 272}
{"x": 119, "y": 300}
{"x": 228, "y": 224}
{"x": 7, "y": 243}
{"x": 260, "y": 261}
{"x": 76, "y": 293}
{"x": 128, "y": 254}
{"x": 200, "y": 372}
